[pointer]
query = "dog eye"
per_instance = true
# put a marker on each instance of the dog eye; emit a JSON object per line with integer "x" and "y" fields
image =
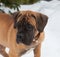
{"x": 29, "y": 27}
{"x": 33, "y": 16}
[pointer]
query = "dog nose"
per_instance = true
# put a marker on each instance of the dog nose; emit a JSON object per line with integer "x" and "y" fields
{"x": 20, "y": 35}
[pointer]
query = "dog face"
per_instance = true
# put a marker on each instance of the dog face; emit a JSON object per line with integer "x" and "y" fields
{"x": 25, "y": 32}
{"x": 27, "y": 24}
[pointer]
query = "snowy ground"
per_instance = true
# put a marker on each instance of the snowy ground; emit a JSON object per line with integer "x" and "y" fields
{"x": 51, "y": 44}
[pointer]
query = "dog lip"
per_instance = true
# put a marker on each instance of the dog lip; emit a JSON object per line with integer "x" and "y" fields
{"x": 18, "y": 40}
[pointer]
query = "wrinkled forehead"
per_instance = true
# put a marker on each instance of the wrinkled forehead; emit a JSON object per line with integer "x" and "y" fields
{"x": 29, "y": 16}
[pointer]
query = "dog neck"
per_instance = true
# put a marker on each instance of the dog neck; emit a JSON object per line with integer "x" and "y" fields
{"x": 35, "y": 42}
{"x": 37, "y": 34}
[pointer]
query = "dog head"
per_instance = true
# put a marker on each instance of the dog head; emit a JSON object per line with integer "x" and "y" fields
{"x": 27, "y": 24}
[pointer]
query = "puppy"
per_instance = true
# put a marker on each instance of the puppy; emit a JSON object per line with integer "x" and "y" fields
{"x": 22, "y": 31}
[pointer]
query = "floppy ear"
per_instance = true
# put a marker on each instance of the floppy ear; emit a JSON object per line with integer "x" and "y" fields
{"x": 15, "y": 16}
{"x": 41, "y": 21}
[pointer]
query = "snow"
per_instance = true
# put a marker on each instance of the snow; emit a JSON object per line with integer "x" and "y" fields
{"x": 51, "y": 44}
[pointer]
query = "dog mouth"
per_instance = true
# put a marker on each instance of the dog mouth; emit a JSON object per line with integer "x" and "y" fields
{"x": 24, "y": 41}
{"x": 25, "y": 38}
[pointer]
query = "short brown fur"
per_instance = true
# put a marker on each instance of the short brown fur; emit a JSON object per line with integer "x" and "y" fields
{"x": 8, "y": 33}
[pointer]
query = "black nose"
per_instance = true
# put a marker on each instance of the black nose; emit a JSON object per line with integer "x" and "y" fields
{"x": 20, "y": 35}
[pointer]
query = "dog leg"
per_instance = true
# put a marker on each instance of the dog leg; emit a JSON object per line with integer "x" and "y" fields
{"x": 2, "y": 51}
{"x": 12, "y": 54}
{"x": 37, "y": 51}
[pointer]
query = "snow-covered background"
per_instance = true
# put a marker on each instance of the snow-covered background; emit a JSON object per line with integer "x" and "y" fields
{"x": 51, "y": 44}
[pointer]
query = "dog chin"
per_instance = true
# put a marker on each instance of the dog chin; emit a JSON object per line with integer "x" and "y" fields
{"x": 18, "y": 40}
{"x": 25, "y": 40}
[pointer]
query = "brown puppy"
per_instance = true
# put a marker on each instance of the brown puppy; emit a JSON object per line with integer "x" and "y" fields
{"x": 22, "y": 31}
